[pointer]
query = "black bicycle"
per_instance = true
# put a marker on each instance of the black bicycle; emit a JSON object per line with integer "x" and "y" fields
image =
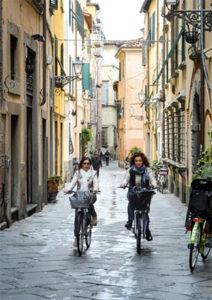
{"x": 80, "y": 201}
{"x": 141, "y": 205}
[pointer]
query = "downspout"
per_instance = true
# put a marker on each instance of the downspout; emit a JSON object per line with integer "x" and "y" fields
{"x": 44, "y": 55}
{"x": 163, "y": 87}
{"x": 202, "y": 92}
{"x": 76, "y": 105}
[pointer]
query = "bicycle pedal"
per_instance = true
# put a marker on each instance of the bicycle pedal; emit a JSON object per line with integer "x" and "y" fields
{"x": 189, "y": 246}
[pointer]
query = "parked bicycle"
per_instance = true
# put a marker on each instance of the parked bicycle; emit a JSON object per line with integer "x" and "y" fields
{"x": 80, "y": 201}
{"x": 162, "y": 179}
{"x": 161, "y": 174}
{"x": 199, "y": 220}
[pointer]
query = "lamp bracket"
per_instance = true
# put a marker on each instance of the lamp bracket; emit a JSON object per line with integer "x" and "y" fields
{"x": 62, "y": 80}
{"x": 192, "y": 17}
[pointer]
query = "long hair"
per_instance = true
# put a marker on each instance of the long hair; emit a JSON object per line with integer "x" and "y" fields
{"x": 143, "y": 157}
{"x": 82, "y": 161}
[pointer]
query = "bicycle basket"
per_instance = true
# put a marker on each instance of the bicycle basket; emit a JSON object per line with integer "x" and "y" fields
{"x": 200, "y": 196}
{"x": 139, "y": 199}
{"x": 82, "y": 199}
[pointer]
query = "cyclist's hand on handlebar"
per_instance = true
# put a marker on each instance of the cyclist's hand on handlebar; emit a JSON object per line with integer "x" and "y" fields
{"x": 123, "y": 186}
{"x": 155, "y": 186}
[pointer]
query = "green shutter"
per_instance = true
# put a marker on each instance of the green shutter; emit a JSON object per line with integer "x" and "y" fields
{"x": 153, "y": 28}
{"x": 70, "y": 12}
{"x": 53, "y": 4}
{"x": 86, "y": 77}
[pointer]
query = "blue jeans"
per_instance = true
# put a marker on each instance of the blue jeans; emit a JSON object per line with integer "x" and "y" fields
{"x": 130, "y": 212}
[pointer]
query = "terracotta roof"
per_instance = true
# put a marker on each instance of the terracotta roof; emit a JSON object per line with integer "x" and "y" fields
{"x": 132, "y": 44}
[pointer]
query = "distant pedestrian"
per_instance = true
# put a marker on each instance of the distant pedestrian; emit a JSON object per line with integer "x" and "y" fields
{"x": 107, "y": 157}
{"x": 96, "y": 163}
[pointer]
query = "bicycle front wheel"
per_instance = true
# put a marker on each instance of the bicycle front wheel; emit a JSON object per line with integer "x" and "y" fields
{"x": 138, "y": 236}
{"x": 88, "y": 231}
{"x": 194, "y": 246}
{"x": 80, "y": 234}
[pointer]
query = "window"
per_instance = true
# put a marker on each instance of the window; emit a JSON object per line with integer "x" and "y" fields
{"x": 13, "y": 56}
{"x": 79, "y": 19}
{"x": 70, "y": 13}
{"x": 119, "y": 113}
{"x": 105, "y": 87}
{"x": 153, "y": 28}
{"x": 62, "y": 54}
{"x": 70, "y": 73}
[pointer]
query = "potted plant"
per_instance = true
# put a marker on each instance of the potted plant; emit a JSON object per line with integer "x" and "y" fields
{"x": 53, "y": 183}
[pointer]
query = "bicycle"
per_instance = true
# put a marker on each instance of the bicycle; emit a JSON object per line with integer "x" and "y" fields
{"x": 140, "y": 203}
{"x": 162, "y": 179}
{"x": 141, "y": 218}
{"x": 198, "y": 242}
{"x": 83, "y": 219}
{"x": 199, "y": 214}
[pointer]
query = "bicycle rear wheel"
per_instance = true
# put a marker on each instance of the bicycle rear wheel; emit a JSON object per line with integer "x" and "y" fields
{"x": 88, "y": 231}
{"x": 80, "y": 234}
{"x": 138, "y": 235}
{"x": 194, "y": 246}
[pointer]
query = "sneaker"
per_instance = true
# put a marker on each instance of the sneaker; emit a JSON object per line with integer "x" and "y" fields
{"x": 75, "y": 242}
{"x": 94, "y": 221}
{"x": 128, "y": 225}
{"x": 149, "y": 236}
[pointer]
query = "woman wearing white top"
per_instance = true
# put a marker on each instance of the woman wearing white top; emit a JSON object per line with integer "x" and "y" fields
{"x": 86, "y": 180}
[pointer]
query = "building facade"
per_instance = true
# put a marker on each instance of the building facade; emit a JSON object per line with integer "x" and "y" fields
{"x": 183, "y": 93}
{"x": 110, "y": 78}
{"x": 25, "y": 108}
{"x": 130, "y": 112}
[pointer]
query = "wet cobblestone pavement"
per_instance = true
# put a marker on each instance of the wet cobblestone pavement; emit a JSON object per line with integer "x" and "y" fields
{"x": 38, "y": 260}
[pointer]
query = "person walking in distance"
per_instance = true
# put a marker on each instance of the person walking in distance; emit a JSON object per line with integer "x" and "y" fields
{"x": 107, "y": 157}
{"x": 96, "y": 163}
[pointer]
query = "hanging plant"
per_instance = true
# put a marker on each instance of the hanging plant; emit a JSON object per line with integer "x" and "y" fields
{"x": 135, "y": 150}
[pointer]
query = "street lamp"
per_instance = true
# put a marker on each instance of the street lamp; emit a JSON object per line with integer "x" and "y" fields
{"x": 62, "y": 80}
{"x": 77, "y": 67}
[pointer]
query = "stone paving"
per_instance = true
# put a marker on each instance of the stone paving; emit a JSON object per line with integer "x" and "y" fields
{"x": 38, "y": 260}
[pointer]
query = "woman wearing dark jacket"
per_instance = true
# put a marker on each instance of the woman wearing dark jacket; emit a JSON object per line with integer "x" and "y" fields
{"x": 139, "y": 174}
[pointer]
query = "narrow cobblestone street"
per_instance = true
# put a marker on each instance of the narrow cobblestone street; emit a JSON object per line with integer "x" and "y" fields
{"x": 38, "y": 260}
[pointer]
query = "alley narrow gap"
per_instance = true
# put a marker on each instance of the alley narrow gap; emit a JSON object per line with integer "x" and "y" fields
{"x": 38, "y": 260}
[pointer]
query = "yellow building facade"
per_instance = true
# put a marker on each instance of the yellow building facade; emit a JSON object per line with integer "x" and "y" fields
{"x": 59, "y": 94}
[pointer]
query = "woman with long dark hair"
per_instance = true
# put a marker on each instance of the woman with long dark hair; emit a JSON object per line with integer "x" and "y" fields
{"x": 86, "y": 180}
{"x": 139, "y": 174}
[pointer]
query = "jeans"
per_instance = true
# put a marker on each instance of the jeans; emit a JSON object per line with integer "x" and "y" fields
{"x": 130, "y": 212}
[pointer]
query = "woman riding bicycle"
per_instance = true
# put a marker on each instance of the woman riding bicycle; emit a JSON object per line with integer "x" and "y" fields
{"x": 138, "y": 175}
{"x": 86, "y": 180}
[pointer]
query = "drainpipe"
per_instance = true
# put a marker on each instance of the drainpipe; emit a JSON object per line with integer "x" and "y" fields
{"x": 202, "y": 94}
{"x": 163, "y": 87}
{"x": 44, "y": 54}
{"x": 76, "y": 118}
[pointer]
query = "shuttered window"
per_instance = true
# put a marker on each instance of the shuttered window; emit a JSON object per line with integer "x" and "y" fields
{"x": 86, "y": 82}
{"x": 79, "y": 17}
{"x": 70, "y": 13}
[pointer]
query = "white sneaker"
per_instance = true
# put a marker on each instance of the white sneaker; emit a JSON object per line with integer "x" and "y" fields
{"x": 75, "y": 242}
